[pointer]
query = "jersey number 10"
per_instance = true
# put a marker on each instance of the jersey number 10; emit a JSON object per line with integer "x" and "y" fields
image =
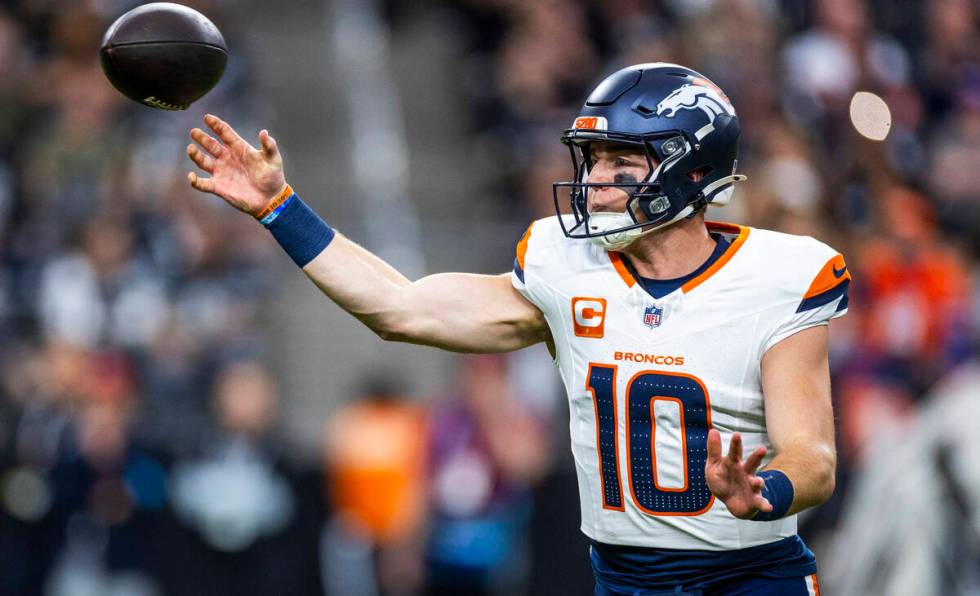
{"x": 687, "y": 395}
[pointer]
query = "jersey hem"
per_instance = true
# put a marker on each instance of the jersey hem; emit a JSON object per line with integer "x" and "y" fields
{"x": 694, "y": 545}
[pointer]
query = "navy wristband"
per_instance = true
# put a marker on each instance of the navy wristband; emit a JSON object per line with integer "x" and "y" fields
{"x": 300, "y": 231}
{"x": 778, "y": 491}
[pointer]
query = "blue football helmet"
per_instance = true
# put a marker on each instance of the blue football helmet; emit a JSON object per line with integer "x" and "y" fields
{"x": 684, "y": 124}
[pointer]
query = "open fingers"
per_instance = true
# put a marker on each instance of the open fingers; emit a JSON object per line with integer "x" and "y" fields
{"x": 201, "y": 184}
{"x": 205, "y": 140}
{"x": 202, "y": 160}
{"x": 752, "y": 463}
{"x": 714, "y": 446}
{"x": 224, "y": 130}
{"x": 735, "y": 448}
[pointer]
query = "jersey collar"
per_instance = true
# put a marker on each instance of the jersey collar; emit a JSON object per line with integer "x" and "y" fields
{"x": 626, "y": 273}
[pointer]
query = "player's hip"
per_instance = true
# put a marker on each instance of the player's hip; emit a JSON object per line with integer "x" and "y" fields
{"x": 638, "y": 570}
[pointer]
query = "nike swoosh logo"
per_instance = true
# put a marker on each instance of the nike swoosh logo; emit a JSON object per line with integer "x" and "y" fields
{"x": 840, "y": 272}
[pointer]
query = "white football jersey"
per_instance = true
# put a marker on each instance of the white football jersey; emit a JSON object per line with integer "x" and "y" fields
{"x": 646, "y": 378}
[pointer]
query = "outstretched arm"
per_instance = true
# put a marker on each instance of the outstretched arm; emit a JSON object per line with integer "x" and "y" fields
{"x": 455, "y": 311}
{"x": 462, "y": 312}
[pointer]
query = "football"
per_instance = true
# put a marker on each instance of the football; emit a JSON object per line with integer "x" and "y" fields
{"x": 163, "y": 55}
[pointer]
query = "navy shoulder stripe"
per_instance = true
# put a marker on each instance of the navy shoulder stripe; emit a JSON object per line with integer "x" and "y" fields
{"x": 838, "y": 291}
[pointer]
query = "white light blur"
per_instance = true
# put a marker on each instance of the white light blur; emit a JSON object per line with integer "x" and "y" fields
{"x": 870, "y": 116}
{"x": 25, "y": 494}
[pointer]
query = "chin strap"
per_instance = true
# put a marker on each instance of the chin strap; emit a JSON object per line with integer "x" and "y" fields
{"x": 722, "y": 198}
{"x": 718, "y": 200}
{"x": 685, "y": 212}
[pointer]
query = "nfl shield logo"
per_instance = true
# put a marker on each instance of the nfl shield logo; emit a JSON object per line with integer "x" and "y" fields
{"x": 652, "y": 316}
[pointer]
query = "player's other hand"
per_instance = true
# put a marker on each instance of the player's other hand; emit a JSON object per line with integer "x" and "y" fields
{"x": 246, "y": 177}
{"x": 733, "y": 480}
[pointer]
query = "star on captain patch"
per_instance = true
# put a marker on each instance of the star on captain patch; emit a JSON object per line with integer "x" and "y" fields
{"x": 652, "y": 316}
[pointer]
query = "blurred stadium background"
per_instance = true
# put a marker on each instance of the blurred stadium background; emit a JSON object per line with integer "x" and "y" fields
{"x": 182, "y": 413}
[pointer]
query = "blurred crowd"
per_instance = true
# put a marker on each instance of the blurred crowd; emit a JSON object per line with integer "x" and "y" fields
{"x": 141, "y": 449}
{"x": 133, "y": 369}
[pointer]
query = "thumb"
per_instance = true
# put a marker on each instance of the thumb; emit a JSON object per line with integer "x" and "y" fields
{"x": 269, "y": 146}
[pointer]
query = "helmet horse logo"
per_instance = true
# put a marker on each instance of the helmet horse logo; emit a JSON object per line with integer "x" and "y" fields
{"x": 694, "y": 97}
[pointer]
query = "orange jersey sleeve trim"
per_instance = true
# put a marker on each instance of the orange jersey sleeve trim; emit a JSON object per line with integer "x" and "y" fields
{"x": 522, "y": 246}
{"x": 832, "y": 274}
{"x": 743, "y": 234}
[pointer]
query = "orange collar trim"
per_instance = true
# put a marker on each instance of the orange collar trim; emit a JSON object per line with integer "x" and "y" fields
{"x": 621, "y": 268}
{"x": 743, "y": 234}
{"x": 726, "y": 228}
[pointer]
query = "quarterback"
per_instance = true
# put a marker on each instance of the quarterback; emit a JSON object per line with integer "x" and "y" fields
{"x": 694, "y": 354}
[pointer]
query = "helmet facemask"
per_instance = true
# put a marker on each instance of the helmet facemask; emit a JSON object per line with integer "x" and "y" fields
{"x": 648, "y": 207}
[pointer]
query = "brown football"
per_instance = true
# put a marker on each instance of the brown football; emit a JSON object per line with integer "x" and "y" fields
{"x": 163, "y": 55}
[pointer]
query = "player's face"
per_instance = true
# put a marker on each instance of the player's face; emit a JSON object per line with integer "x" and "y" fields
{"x": 616, "y": 163}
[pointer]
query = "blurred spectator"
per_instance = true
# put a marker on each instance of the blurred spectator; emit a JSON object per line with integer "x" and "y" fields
{"x": 71, "y": 158}
{"x": 951, "y": 46}
{"x": 232, "y": 494}
{"x": 825, "y": 65}
{"x": 102, "y": 294}
{"x": 913, "y": 327}
{"x": 785, "y": 190}
{"x": 42, "y": 389}
{"x": 109, "y": 490}
{"x": 954, "y": 152}
{"x": 486, "y": 452}
{"x": 881, "y": 548}
{"x": 375, "y": 458}
{"x": 546, "y": 58}
{"x": 242, "y": 498}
